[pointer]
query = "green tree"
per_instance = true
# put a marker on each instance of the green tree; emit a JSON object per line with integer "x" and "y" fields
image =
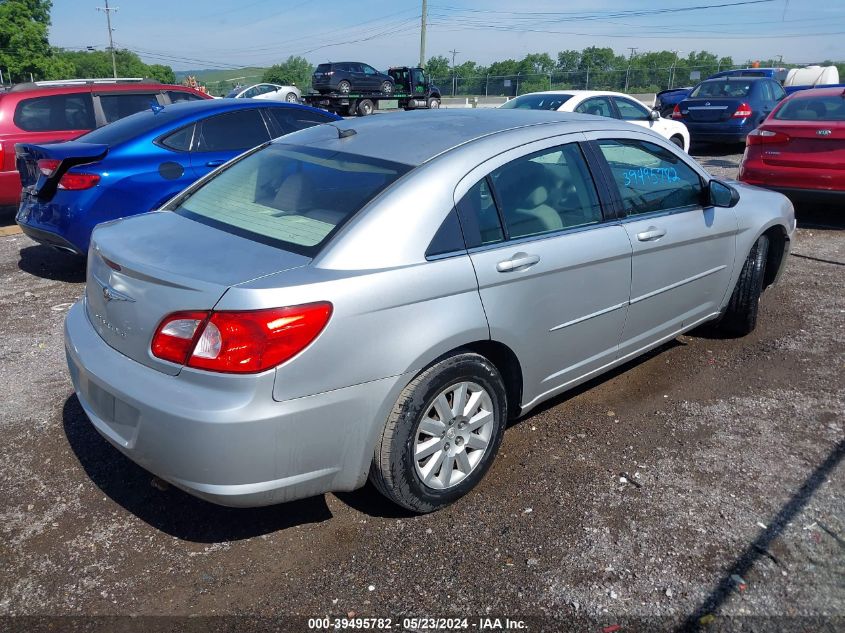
{"x": 97, "y": 64}
{"x": 437, "y": 66}
{"x": 24, "y": 48}
{"x": 295, "y": 71}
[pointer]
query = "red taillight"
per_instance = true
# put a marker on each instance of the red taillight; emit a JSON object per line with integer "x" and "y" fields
{"x": 239, "y": 342}
{"x": 742, "y": 112}
{"x": 765, "y": 137}
{"x": 47, "y": 166}
{"x": 676, "y": 112}
{"x": 75, "y": 182}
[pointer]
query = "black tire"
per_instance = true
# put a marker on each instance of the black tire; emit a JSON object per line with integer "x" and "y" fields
{"x": 365, "y": 107}
{"x": 740, "y": 317}
{"x": 678, "y": 141}
{"x": 387, "y": 87}
{"x": 344, "y": 87}
{"x": 394, "y": 467}
{"x": 291, "y": 97}
{"x": 433, "y": 103}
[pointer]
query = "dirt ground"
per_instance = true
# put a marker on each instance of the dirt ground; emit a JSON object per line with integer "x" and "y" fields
{"x": 698, "y": 487}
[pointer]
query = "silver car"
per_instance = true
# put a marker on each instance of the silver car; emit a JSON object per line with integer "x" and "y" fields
{"x": 378, "y": 297}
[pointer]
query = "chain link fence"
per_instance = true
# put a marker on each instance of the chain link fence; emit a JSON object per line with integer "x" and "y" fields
{"x": 631, "y": 80}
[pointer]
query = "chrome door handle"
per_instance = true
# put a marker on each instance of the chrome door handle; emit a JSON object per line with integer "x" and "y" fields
{"x": 651, "y": 234}
{"x": 520, "y": 261}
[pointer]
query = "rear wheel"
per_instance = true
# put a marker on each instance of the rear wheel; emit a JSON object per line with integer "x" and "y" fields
{"x": 433, "y": 103}
{"x": 365, "y": 107}
{"x": 291, "y": 97}
{"x": 740, "y": 317}
{"x": 442, "y": 435}
{"x": 344, "y": 87}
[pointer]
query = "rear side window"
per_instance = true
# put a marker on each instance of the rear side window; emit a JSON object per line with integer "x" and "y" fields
{"x": 293, "y": 119}
{"x": 233, "y": 131}
{"x": 650, "y": 178}
{"x": 180, "y": 140}
{"x": 813, "y": 109}
{"x": 116, "y": 106}
{"x": 55, "y": 113}
{"x": 290, "y": 196}
{"x": 479, "y": 216}
{"x": 177, "y": 95}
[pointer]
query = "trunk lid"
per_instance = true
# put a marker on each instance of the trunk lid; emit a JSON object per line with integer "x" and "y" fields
{"x": 69, "y": 154}
{"x": 709, "y": 110}
{"x": 812, "y": 144}
{"x": 143, "y": 268}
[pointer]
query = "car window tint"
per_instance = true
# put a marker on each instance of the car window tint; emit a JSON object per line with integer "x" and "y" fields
{"x": 631, "y": 111}
{"x": 830, "y": 108}
{"x": 479, "y": 216}
{"x": 448, "y": 238}
{"x": 177, "y": 95}
{"x": 117, "y": 106}
{"x": 232, "y": 132}
{"x": 55, "y": 112}
{"x": 180, "y": 140}
{"x": 368, "y": 70}
{"x": 599, "y": 106}
{"x": 537, "y": 101}
{"x": 722, "y": 89}
{"x": 778, "y": 90}
{"x": 289, "y": 195}
{"x": 545, "y": 192}
{"x": 650, "y": 178}
{"x": 293, "y": 119}
{"x": 766, "y": 90}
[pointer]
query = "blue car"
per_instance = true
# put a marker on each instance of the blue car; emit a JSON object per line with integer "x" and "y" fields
{"x": 136, "y": 164}
{"x": 725, "y": 110}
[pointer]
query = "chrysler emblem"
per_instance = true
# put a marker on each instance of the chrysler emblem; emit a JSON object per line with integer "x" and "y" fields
{"x": 823, "y": 132}
{"x": 110, "y": 294}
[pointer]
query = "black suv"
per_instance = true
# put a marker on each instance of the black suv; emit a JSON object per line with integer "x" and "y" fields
{"x": 346, "y": 77}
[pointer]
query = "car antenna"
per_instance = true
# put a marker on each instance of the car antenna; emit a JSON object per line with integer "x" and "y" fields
{"x": 343, "y": 133}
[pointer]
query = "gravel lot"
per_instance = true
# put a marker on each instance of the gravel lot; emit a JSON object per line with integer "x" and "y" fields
{"x": 640, "y": 499}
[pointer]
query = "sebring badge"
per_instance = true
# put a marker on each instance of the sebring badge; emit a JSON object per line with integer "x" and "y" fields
{"x": 110, "y": 294}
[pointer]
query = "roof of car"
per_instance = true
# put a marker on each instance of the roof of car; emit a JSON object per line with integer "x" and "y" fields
{"x": 832, "y": 91}
{"x": 415, "y": 137}
{"x": 580, "y": 93}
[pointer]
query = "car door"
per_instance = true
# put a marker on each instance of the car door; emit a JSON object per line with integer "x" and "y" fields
{"x": 598, "y": 106}
{"x": 357, "y": 77}
{"x": 371, "y": 78}
{"x": 224, "y": 136}
{"x": 553, "y": 271}
{"x": 683, "y": 249}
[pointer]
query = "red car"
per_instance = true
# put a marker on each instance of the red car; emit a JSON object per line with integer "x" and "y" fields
{"x": 48, "y": 111}
{"x": 799, "y": 149}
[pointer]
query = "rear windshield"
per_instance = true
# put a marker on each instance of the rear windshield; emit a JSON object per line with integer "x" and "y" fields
{"x": 323, "y": 68}
{"x": 537, "y": 102}
{"x": 289, "y": 196}
{"x": 830, "y": 108}
{"x": 133, "y": 125}
{"x": 724, "y": 89}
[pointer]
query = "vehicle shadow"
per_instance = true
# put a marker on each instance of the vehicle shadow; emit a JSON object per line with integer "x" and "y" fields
{"x": 759, "y": 547}
{"x": 368, "y": 500}
{"x": 825, "y": 217}
{"x": 173, "y": 511}
{"x": 50, "y": 263}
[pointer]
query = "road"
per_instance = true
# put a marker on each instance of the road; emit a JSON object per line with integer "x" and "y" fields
{"x": 642, "y": 497}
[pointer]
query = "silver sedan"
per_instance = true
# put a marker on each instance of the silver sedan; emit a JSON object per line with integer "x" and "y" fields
{"x": 376, "y": 298}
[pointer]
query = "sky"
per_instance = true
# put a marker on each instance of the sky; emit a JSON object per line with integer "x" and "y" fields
{"x": 194, "y": 34}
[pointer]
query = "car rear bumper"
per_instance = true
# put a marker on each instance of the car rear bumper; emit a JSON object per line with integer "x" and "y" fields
{"x": 718, "y": 132}
{"x": 221, "y": 437}
{"x": 48, "y": 238}
{"x": 808, "y": 184}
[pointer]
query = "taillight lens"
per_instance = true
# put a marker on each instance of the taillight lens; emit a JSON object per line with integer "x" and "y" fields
{"x": 75, "y": 182}
{"x": 239, "y": 342}
{"x": 742, "y": 112}
{"x": 47, "y": 166}
{"x": 676, "y": 112}
{"x": 765, "y": 137}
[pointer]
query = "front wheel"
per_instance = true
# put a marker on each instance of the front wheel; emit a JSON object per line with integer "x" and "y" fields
{"x": 433, "y": 103}
{"x": 677, "y": 140}
{"x": 442, "y": 435}
{"x": 291, "y": 97}
{"x": 387, "y": 87}
{"x": 740, "y": 317}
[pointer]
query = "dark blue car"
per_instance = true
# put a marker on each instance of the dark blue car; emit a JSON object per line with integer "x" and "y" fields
{"x": 136, "y": 164}
{"x": 725, "y": 110}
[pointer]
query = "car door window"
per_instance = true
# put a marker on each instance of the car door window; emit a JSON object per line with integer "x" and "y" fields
{"x": 650, "y": 178}
{"x": 630, "y": 110}
{"x": 116, "y": 106}
{"x": 293, "y": 119}
{"x": 55, "y": 113}
{"x": 778, "y": 92}
{"x": 599, "y": 106}
{"x": 368, "y": 70}
{"x": 232, "y": 131}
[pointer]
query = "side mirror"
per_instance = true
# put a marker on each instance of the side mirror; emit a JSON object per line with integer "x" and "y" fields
{"x": 653, "y": 115}
{"x": 721, "y": 194}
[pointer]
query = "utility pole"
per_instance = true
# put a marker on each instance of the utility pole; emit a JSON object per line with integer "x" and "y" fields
{"x": 633, "y": 50}
{"x": 107, "y": 10}
{"x": 422, "y": 32}
{"x": 454, "y": 77}
{"x": 672, "y": 70}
